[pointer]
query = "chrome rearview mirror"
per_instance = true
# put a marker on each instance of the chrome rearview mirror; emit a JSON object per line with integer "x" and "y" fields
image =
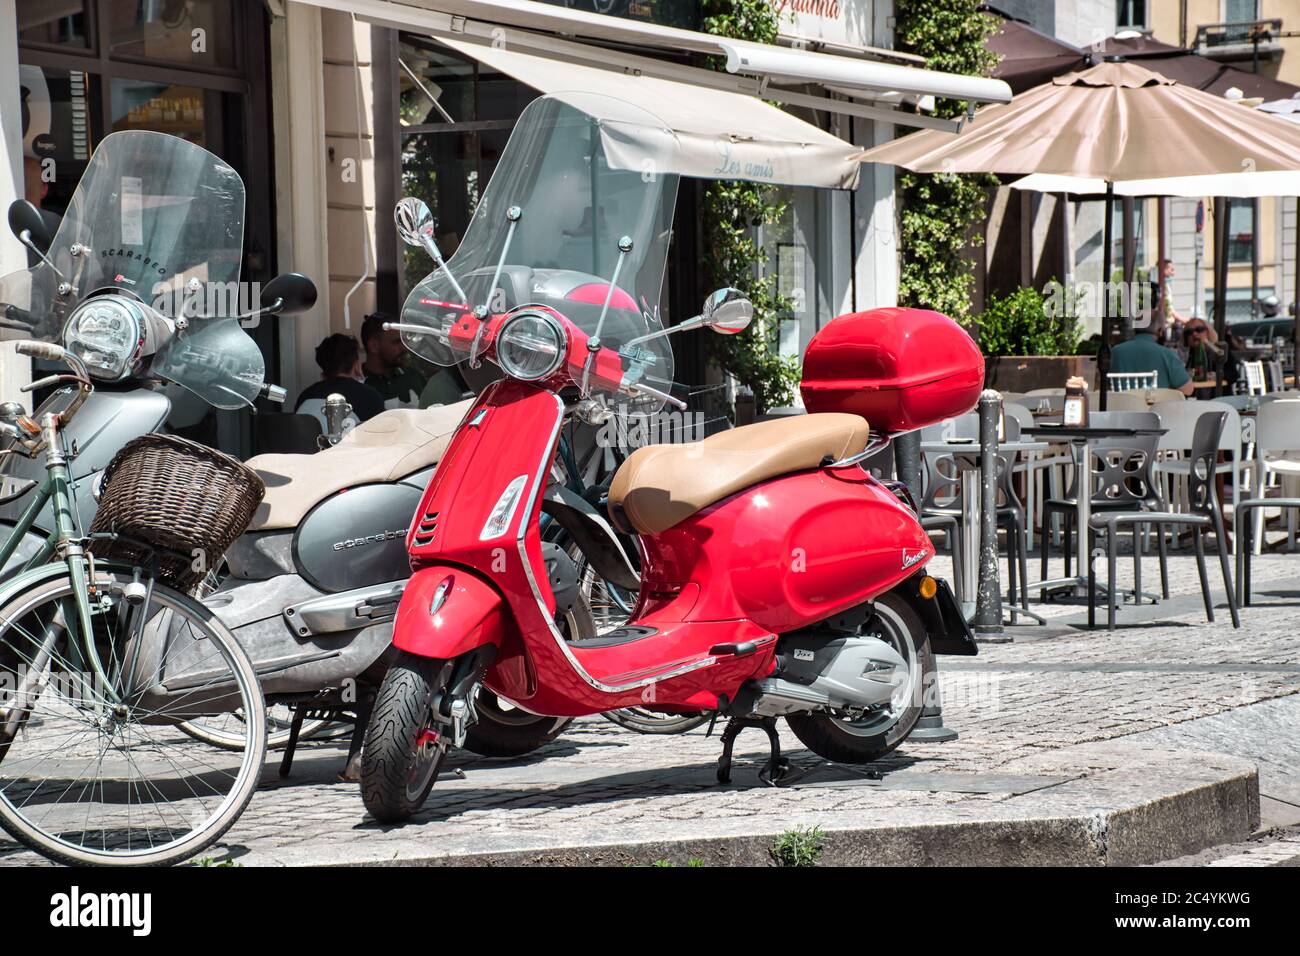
{"x": 414, "y": 222}
{"x": 415, "y": 225}
{"x": 727, "y": 311}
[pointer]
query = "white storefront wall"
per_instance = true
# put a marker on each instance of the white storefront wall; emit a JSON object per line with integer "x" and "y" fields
{"x": 14, "y": 370}
{"x": 847, "y": 240}
{"x": 837, "y": 251}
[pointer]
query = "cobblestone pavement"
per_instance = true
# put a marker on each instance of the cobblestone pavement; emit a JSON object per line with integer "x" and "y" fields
{"x": 1048, "y": 690}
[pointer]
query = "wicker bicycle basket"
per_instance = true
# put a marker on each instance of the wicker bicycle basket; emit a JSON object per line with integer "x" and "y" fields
{"x": 185, "y": 499}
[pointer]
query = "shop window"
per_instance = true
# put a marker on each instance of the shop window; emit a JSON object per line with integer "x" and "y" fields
{"x": 455, "y": 121}
{"x": 57, "y": 132}
{"x": 1240, "y": 11}
{"x": 164, "y": 108}
{"x": 800, "y": 264}
{"x": 1241, "y": 233}
{"x": 198, "y": 33}
{"x": 1117, "y": 234}
{"x": 53, "y": 23}
{"x": 1131, "y": 13}
{"x": 434, "y": 86}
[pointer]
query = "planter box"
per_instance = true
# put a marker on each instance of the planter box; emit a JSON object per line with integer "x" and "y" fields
{"x": 1021, "y": 373}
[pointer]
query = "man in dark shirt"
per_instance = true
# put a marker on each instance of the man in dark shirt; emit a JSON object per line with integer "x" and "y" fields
{"x": 1144, "y": 353}
{"x": 339, "y": 358}
{"x": 399, "y": 386}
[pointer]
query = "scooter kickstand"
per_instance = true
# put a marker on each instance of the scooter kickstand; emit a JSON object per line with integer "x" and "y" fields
{"x": 295, "y": 728}
{"x": 352, "y": 768}
{"x": 777, "y": 767}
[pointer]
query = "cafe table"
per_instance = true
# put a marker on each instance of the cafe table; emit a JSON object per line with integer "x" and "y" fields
{"x": 966, "y": 454}
{"x": 1079, "y": 437}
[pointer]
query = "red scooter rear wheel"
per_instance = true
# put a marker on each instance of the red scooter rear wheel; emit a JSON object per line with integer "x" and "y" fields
{"x": 871, "y": 737}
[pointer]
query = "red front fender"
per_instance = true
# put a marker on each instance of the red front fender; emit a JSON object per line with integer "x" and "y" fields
{"x": 444, "y": 623}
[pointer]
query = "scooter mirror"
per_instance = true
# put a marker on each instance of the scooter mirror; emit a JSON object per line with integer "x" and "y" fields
{"x": 727, "y": 311}
{"x": 23, "y": 216}
{"x": 289, "y": 293}
{"x": 414, "y": 223}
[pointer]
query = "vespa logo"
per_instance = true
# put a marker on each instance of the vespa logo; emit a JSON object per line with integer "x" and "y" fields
{"x": 911, "y": 558}
{"x": 348, "y": 543}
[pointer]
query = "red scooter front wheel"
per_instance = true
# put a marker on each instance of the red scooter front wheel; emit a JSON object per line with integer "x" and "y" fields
{"x": 403, "y": 751}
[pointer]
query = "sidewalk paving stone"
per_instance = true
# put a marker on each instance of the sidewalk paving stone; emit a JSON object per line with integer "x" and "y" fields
{"x": 1068, "y": 752}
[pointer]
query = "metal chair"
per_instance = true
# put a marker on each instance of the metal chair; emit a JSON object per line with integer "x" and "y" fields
{"x": 1276, "y": 380}
{"x": 1180, "y": 420}
{"x": 1130, "y": 401}
{"x": 1245, "y": 538}
{"x": 1277, "y": 434}
{"x": 1155, "y": 395}
{"x": 1131, "y": 381}
{"x": 1204, "y": 515}
{"x": 1124, "y": 478}
{"x": 942, "y": 496}
{"x": 1253, "y": 383}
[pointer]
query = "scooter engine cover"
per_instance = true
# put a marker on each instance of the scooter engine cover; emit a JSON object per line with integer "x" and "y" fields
{"x": 357, "y": 537}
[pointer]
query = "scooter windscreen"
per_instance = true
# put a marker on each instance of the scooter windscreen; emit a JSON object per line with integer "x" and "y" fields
{"x": 577, "y": 217}
{"x": 161, "y": 220}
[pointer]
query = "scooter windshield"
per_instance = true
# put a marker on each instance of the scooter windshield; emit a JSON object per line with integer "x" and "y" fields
{"x": 581, "y": 201}
{"x": 160, "y": 219}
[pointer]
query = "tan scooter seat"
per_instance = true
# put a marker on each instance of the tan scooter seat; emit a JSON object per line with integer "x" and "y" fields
{"x": 660, "y": 485}
{"x": 390, "y": 446}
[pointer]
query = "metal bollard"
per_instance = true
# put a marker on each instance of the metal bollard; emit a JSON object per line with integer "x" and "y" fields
{"x": 988, "y": 604}
{"x": 930, "y": 728}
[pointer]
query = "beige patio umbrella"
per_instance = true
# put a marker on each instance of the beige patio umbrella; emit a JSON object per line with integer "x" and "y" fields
{"x": 1114, "y": 122}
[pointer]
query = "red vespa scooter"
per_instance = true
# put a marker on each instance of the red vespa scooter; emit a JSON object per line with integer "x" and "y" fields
{"x": 778, "y": 578}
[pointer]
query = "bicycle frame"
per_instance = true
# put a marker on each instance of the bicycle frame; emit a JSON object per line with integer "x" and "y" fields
{"x": 57, "y": 487}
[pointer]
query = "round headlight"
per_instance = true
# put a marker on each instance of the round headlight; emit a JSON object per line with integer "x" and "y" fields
{"x": 530, "y": 346}
{"x": 104, "y": 332}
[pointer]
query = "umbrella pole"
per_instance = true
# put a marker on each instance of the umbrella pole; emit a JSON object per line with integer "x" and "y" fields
{"x": 1295, "y": 306}
{"x": 1130, "y": 267}
{"x": 1221, "y": 216}
{"x": 1103, "y": 351}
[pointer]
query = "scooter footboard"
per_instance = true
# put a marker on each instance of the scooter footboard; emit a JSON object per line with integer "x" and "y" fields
{"x": 448, "y": 611}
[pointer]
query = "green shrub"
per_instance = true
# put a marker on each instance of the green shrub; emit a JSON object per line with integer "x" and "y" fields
{"x": 1026, "y": 323}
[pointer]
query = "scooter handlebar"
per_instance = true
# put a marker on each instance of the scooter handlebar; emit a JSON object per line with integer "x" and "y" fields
{"x": 42, "y": 350}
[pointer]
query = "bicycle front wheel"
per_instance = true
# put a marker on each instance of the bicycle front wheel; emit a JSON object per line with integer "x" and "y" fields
{"x": 94, "y": 767}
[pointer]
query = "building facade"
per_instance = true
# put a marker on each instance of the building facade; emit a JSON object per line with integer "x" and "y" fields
{"x": 330, "y": 110}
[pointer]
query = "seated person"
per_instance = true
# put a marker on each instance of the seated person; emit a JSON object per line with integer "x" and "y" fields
{"x": 339, "y": 358}
{"x": 398, "y": 385}
{"x": 1144, "y": 353}
{"x": 1204, "y": 353}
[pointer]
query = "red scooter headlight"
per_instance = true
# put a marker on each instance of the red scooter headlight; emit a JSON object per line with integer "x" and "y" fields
{"x": 531, "y": 345}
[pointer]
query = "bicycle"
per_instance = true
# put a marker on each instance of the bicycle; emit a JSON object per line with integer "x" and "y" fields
{"x": 103, "y": 661}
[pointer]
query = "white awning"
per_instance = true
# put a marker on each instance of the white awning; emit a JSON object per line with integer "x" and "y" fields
{"x": 720, "y": 135}
{"x": 757, "y": 69}
{"x": 1231, "y": 185}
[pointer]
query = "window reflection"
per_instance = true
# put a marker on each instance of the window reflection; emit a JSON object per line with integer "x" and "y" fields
{"x": 53, "y": 22}
{"x": 196, "y": 32}
{"x": 56, "y": 132}
{"x": 178, "y": 110}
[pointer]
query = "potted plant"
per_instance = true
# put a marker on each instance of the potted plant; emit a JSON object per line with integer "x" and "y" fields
{"x": 1030, "y": 340}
